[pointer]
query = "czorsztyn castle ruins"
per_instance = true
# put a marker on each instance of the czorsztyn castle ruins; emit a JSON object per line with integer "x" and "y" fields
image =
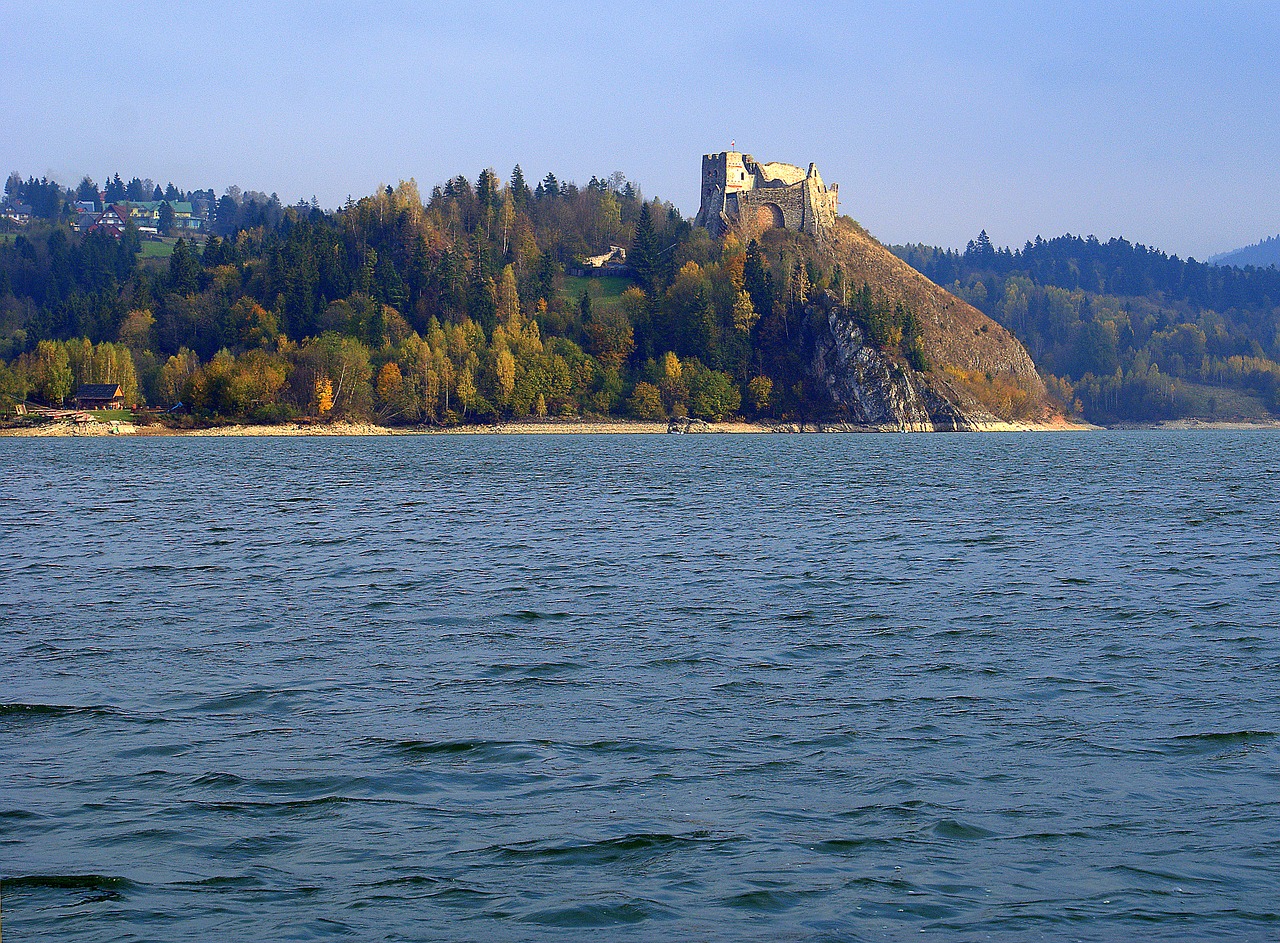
{"x": 739, "y": 192}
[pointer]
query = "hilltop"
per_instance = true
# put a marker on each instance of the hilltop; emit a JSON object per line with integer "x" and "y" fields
{"x": 1260, "y": 255}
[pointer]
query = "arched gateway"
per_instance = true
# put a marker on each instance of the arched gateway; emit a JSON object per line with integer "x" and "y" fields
{"x": 769, "y": 216}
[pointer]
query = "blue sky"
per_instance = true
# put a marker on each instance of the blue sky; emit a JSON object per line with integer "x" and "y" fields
{"x": 1156, "y": 121}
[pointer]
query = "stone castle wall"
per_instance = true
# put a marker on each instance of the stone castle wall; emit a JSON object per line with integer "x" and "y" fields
{"x": 739, "y": 191}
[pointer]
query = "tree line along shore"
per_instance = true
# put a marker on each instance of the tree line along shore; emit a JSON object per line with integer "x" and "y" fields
{"x": 479, "y": 305}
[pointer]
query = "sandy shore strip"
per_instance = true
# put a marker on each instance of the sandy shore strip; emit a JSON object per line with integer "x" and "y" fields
{"x": 516, "y": 427}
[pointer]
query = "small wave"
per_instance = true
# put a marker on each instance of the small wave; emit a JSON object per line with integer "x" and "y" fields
{"x": 533, "y": 670}
{"x": 157, "y": 749}
{"x": 271, "y": 809}
{"x": 499, "y": 751}
{"x": 37, "y": 712}
{"x": 770, "y": 901}
{"x": 675, "y": 661}
{"x": 165, "y": 568}
{"x": 429, "y": 747}
{"x": 529, "y": 615}
{"x": 70, "y": 882}
{"x": 1217, "y": 741}
{"x": 595, "y": 915}
{"x": 610, "y": 850}
{"x": 1049, "y": 837}
{"x": 222, "y": 881}
{"x": 40, "y": 710}
{"x": 235, "y": 700}
{"x": 17, "y": 815}
{"x": 218, "y": 779}
{"x": 624, "y": 747}
{"x": 844, "y": 846}
{"x": 409, "y": 880}
{"x": 953, "y": 828}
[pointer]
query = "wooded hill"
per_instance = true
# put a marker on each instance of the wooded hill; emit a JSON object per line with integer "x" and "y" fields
{"x": 1126, "y": 332}
{"x": 1262, "y": 254}
{"x": 453, "y": 309}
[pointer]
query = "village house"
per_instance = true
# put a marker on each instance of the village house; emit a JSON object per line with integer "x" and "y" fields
{"x": 100, "y": 396}
{"x": 146, "y": 215}
{"x": 84, "y": 222}
{"x": 114, "y": 221}
{"x": 18, "y": 213}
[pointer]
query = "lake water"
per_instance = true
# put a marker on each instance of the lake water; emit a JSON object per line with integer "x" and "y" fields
{"x": 997, "y": 687}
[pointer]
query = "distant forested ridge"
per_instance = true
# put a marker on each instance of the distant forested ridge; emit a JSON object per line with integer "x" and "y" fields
{"x": 459, "y": 307}
{"x": 1260, "y": 255}
{"x": 1124, "y": 332}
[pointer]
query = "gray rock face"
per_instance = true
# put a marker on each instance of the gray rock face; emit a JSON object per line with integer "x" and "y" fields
{"x": 683, "y": 424}
{"x": 872, "y": 392}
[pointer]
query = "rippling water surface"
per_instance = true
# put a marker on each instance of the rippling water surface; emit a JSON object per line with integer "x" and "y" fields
{"x": 641, "y": 687}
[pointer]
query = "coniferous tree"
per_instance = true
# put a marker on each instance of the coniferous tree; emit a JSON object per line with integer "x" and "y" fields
{"x": 184, "y": 270}
{"x": 87, "y": 191}
{"x": 520, "y": 194}
{"x": 643, "y": 257}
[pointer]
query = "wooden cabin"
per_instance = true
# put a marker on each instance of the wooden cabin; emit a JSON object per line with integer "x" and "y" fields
{"x": 100, "y": 396}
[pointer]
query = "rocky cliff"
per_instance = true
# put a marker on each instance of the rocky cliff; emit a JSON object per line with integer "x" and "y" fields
{"x": 978, "y": 375}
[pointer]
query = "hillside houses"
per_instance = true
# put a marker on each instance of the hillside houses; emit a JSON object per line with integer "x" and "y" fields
{"x": 147, "y": 215}
{"x": 19, "y": 213}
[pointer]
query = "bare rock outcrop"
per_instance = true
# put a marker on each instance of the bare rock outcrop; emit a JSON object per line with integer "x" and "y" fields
{"x": 872, "y": 391}
{"x": 979, "y": 375}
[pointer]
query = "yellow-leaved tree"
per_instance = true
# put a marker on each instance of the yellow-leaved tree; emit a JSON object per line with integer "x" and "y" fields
{"x": 505, "y": 369}
{"x": 744, "y": 313}
{"x": 174, "y": 374}
{"x": 760, "y": 390}
{"x": 390, "y": 385}
{"x": 509, "y": 301}
{"x": 466, "y": 389}
{"x": 324, "y": 395}
{"x": 675, "y": 391}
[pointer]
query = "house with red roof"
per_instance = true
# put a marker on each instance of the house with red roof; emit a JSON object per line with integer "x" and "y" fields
{"x": 114, "y": 221}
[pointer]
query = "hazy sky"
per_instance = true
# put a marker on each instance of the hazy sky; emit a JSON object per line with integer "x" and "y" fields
{"x": 1157, "y": 121}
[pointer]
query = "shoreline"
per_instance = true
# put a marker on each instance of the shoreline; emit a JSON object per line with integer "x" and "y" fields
{"x": 515, "y": 427}
{"x": 598, "y": 426}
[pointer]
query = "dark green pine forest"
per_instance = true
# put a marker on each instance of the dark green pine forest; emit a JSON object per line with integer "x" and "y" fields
{"x": 1123, "y": 332}
{"x": 465, "y": 307}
